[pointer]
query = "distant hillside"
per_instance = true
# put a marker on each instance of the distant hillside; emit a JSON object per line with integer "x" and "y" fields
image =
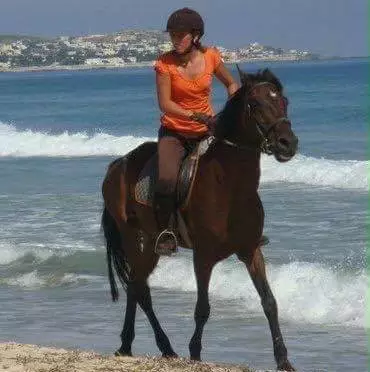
{"x": 136, "y": 35}
{"x": 10, "y": 38}
{"x": 116, "y": 49}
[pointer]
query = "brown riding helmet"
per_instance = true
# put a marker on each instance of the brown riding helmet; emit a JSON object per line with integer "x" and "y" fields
{"x": 187, "y": 20}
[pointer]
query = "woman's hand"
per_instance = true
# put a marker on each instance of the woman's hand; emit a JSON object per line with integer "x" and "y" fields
{"x": 208, "y": 120}
{"x": 200, "y": 117}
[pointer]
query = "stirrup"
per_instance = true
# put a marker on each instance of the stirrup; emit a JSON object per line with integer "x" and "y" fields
{"x": 166, "y": 237}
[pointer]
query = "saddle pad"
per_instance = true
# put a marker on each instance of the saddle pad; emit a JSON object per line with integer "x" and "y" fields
{"x": 144, "y": 188}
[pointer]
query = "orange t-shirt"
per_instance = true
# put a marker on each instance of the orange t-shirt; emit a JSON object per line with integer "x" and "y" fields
{"x": 190, "y": 94}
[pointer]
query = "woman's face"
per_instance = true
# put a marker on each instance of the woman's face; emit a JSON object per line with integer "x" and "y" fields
{"x": 181, "y": 40}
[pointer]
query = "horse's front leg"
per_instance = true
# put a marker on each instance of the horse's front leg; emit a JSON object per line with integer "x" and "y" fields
{"x": 256, "y": 268}
{"x": 203, "y": 272}
{"x": 128, "y": 331}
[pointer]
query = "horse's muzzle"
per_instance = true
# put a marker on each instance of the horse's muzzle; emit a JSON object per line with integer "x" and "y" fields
{"x": 285, "y": 147}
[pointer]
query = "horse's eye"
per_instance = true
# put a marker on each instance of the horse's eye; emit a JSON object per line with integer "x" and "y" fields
{"x": 273, "y": 94}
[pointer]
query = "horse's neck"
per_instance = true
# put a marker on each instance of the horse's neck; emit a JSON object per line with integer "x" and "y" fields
{"x": 239, "y": 164}
{"x": 236, "y": 124}
{"x": 243, "y": 136}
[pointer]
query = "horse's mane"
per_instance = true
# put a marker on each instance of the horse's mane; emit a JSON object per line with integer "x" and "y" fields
{"x": 230, "y": 114}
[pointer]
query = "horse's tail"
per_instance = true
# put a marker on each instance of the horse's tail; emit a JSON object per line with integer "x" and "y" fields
{"x": 115, "y": 254}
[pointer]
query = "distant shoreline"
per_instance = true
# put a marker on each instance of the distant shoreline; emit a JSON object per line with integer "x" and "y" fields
{"x": 151, "y": 63}
{"x": 77, "y": 67}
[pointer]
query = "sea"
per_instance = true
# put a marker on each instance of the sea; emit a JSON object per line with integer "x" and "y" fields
{"x": 58, "y": 133}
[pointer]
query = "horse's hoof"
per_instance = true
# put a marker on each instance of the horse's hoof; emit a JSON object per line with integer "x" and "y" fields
{"x": 196, "y": 359}
{"x": 169, "y": 355}
{"x": 119, "y": 353}
{"x": 285, "y": 366}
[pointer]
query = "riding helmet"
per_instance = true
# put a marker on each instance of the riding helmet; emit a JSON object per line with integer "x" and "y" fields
{"x": 185, "y": 19}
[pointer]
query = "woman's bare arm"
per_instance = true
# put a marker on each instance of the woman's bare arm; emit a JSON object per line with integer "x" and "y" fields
{"x": 223, "y": 74}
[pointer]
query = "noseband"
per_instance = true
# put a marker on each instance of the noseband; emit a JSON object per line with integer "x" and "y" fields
{"x": 264, "y": 132}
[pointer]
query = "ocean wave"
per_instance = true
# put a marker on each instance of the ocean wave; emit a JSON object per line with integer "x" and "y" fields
{"x": 29, "y": 143}
{"x": 11, "y": 253}
{"x": 305, "y": 292}
{"x": 314, "y": 293}
{"x": 346, "y": 174}
{"x": 34, "y": 280}
{"x": 37, "y": 267}
{"x": 15, "y": 259}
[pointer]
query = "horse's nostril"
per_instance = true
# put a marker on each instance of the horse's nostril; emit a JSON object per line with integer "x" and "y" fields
{"x": 284, "y": 143}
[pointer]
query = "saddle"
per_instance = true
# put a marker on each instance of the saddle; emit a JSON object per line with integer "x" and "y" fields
{"x": 144, "y": 188}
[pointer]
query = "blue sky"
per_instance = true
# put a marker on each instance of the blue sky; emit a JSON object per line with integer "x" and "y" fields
{"x": 328, "y": 27}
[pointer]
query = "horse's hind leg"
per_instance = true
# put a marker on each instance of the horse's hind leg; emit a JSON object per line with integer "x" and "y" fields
{"x": 203, "y": 271}
{"x": 143, "y": 260}
{"x": 128, "y": 331}
{"x": 144, "y": 299}
{"x": 256, "y": 268}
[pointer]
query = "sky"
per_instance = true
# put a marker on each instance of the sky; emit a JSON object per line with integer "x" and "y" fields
{"x": 327, "y": 27}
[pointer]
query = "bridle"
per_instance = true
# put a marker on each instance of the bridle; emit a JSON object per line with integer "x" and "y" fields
{"x": 263, "y": 130}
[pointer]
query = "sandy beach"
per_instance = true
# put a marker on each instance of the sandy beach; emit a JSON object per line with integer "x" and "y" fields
{"x": 31, "y": 358}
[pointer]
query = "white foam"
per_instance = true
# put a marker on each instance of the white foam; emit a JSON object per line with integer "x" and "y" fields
{"x": 11, "y": 252}
{"x": 8, "y": 253}
{"x": 305, "y": 292}
{"x": 34, "y": 281}
{"x": 28, "y": 281}
{"x": 346, "y": 174}
{"x": 30, "y": 143}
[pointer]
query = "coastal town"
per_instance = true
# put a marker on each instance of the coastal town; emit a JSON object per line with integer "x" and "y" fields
{"x": 121, "y": 49}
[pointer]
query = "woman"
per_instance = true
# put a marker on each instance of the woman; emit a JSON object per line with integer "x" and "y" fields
{"x": 183, "y": 80}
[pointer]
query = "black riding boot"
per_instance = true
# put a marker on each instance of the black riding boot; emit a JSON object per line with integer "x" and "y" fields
{"x": 164, "y": 209}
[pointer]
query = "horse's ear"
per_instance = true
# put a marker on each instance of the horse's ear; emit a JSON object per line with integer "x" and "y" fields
{"x": 242, "y": 75}
{"x": 269, "y": 76}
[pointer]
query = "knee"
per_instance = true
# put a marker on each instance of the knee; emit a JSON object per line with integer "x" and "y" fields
{"x": 269, "y": 305}
{"x": 202, "y": 312}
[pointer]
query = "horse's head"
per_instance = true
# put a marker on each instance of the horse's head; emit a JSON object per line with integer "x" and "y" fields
{"x": 256, "y": 116}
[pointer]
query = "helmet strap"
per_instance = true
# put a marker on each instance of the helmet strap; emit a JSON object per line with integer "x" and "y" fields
{"x": 195, "y": 40}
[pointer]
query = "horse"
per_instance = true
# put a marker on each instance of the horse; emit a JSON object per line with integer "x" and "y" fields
{"x": 224, "y": 214}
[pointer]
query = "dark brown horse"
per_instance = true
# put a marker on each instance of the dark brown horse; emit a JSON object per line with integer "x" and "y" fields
{"x": 224, "y": 214}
